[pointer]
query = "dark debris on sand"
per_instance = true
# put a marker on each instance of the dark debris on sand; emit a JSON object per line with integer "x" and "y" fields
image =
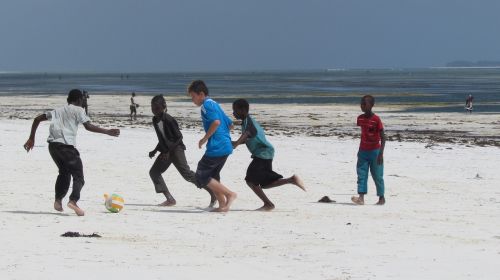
{"x": 326, "y": 199}
{"x": 77, "y": 234}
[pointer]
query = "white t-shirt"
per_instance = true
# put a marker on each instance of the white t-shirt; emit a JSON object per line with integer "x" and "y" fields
{"x": 161, "y": 128}
{"x": 64, "y": 123}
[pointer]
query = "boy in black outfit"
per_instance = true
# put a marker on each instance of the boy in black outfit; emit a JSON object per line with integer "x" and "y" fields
{"x": 171, "y": 150}
{"x": 260, "y": 174}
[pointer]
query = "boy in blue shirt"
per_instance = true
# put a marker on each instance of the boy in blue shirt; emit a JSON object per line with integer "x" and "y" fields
{"x": 260, "y": 174}
{"x": 216, "y": 125}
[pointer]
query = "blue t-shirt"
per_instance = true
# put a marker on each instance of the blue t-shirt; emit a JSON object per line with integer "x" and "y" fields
{"x": 219, "y": 144}
{"x": 256, "y": 142}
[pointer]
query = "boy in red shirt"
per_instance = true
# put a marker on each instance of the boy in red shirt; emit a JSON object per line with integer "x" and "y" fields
{"x": 371, "y": 151}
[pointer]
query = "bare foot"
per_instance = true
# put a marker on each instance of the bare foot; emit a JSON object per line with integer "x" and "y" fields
{"x": 212, "y": 203}
{"x": 266, "y": 207}
{"x": 358, "y": 200}
{"x": 219, "y": 210}
{"x": 298, "y": 182}
{"x": 72, "y": 205}
{"x": 58, "y": 205}
{"x": 168, "y": 203}
{"x": 381, "y": 201}
{"x": 229, "y": 200}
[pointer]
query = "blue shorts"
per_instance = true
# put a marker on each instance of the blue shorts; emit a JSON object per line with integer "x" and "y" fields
{"x": 208, "y": 168}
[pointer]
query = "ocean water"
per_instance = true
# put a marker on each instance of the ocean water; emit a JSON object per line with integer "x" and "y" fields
{"x": 442, "y": 89}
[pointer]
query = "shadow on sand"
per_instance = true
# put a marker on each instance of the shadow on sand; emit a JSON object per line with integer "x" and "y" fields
{"x": 336, "y": 203}
{"x": 37, "y": 213}
{"x": 175, "y": 211}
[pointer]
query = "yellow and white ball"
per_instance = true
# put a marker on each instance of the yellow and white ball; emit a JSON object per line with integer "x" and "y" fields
{"x": 114, "y": 203}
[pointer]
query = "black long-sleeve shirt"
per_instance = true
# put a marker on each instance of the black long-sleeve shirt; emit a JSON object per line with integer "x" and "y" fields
{"x": 173, "y": 135}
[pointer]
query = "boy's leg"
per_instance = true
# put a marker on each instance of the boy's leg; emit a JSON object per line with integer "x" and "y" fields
{"x": 179, "y": 160}
{"x": 295, "y": 180}
{"x": 63, "y": 178}
{"x": 268, "y": 205}
{"x": 362, "y": 167}
{"x": 159, "y": 166}
{"x": 228, "y": 194}
{"x": 207, "y": 174}
{"x": 75, "y": 166}
{"x": 377, "y": 172}
{"x": 223, "y": 194}
{"x": 70, "y": 161}
{"x": 262, "y": 172}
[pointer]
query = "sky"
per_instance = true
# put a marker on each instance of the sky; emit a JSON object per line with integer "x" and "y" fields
{"x": 237, "y": 35}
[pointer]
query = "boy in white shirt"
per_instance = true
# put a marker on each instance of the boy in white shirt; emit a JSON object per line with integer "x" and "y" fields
{"x": 62, "y": 142}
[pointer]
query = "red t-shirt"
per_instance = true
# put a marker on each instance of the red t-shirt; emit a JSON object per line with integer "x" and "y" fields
{"x": 370, "y": 132}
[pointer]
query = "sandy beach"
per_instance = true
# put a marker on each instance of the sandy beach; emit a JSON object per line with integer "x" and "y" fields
{"x": 326, "y": 120}
{"x": 440, "y": 221}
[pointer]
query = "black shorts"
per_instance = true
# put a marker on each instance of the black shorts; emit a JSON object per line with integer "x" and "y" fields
{"x": 208, "y": 168}
{"x": 260, "y": 172}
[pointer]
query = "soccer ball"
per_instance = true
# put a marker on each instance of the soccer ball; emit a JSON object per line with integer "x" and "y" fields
{"x": 114, "y": 203}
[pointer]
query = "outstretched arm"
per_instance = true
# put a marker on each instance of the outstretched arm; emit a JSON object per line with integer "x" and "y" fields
{"x": 94, "y": 128}
{"x": 31, "y": 140}
{"x": 242, "y": 140}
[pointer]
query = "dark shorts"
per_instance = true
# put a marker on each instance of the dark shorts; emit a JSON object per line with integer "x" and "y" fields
{"x": 208, "y": 168}
{"x": 133, "y": 109}
{"x": 260, "y": 172}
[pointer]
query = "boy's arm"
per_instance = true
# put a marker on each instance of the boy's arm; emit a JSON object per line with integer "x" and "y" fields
{"x": 94, "y": 128}
{"x": 174, "y": 127}
{"x": 380, "y": 158}
{"x": 153, "y": 152}
{"x": 31, "y": 140}
{"x": 211, "y": 130}
{"x": 242, "y": 140}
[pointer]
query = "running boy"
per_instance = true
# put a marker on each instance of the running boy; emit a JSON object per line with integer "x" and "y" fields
{"x": 216, "y": 125}
{"x": 260, "y": 174}
{"x": 371, "y": 151}
{"x": 62, "y": 140}
{"x": 171, "y": 150}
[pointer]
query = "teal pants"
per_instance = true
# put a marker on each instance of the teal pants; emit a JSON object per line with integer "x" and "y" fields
{"x": 367, "y": 161}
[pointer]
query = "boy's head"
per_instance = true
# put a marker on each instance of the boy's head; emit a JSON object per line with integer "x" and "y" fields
{"x": 75, "y": 97}
{"x": 240, "y": 109}
{"x": 367, "y": 103}
{"x": 158, "y": 105}
{"x": 198, "y": 91}
{"x": 133, "y": 94}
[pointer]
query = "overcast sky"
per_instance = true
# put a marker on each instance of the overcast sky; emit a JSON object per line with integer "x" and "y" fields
{"x": 215, "y": 35}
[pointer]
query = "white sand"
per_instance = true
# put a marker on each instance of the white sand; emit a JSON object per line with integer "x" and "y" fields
{"x": 440, "y": 221}
{"x": 290, "y": 119}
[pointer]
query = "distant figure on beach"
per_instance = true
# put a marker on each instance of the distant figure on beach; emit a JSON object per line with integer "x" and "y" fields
{"x": 85, "y": 104}
{"x": 171, "y": 150}
{"x": 216, "y": 125}
{"x": 371, "y": 152}
{"x": 62, "y": 142}
{"x": 468, "y": 103}
{"x": 260, "y": 174}
{"x": 133, "y": 107}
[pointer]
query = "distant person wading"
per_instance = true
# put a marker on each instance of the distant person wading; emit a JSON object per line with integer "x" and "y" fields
{"x": 468, "y": 103}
